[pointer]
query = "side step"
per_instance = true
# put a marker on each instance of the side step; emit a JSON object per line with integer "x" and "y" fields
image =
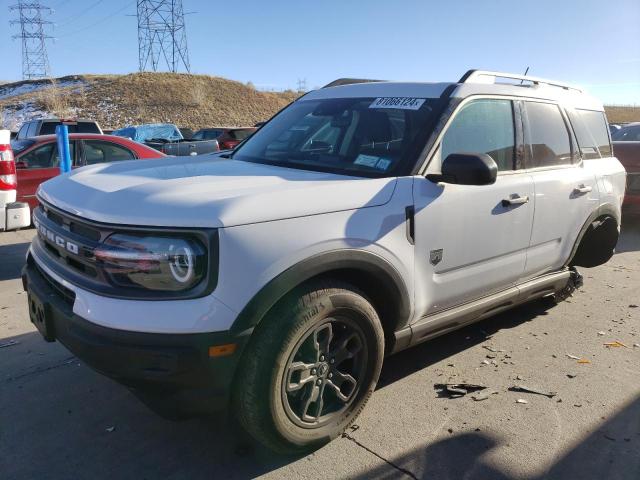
{"x": 454, "y": 318}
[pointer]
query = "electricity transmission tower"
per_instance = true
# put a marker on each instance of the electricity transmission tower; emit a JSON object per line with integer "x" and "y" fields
{"x": 35, "y": 63}
{"x": 162, "y": 35}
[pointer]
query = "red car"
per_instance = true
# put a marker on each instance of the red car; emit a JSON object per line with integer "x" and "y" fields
{"x": 37, "y": 158}
{"x": 228, "y": 138}
{"x": 629, "y": 155}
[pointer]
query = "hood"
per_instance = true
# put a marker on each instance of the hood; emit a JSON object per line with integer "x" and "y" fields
{"x": 206, "y": 191}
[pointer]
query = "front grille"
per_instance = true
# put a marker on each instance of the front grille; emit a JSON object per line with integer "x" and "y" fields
{"x": 67, "y": 295}
{"x": 69, "y": 242}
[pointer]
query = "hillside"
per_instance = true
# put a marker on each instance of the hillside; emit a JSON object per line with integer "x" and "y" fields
{"x": 193, "y": 101}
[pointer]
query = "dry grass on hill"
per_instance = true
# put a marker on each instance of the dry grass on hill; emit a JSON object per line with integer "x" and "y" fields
{"x": 193, "y": 101}
{"x": 622, "y": 113}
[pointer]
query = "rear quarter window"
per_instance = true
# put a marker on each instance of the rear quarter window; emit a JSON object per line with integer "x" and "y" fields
{"x": 592, "y": 133}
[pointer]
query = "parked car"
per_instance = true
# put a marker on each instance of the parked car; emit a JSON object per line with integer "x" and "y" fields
{"x": 365, "y": 219}
{"x": 168, "y": 139}
{"x": 628, "y": 153}
{"x": 228, "y": 138}
{"x": 627, "y": 133}
{"x": 37, "y": 158}
{"x": 47, "y": 126}
{"x": 13, "y": 215}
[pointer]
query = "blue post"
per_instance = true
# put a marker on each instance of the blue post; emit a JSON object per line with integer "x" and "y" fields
{"x": 62, "y": 132}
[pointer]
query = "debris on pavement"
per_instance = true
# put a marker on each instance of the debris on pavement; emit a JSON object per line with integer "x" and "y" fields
{"x": 522, "y": 388}
{"x": 456, "y": 390}
{"x": 483, "y": 396}
{"x": 615, "y": 344}
{"x": 492, "y": 350}
{"x": 572, "y": 357}
{"x": 637, "y": 345}
{"x": 602, "y": 333}
{"x": 10, "y": 343}
{"x": 584, "y": 361}
{"x": 633, "y": 305}
{"x": 110, "y": 429}
{"x": 572, "y": 375}
{"x": 521, "y": 400}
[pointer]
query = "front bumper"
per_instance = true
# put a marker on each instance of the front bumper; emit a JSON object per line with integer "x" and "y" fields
{"x": 172, "y": 373}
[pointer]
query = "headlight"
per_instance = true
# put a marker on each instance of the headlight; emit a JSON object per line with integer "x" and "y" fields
{"x": 152, "y": 262}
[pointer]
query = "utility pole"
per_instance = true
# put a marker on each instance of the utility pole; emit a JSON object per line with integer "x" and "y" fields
{"x": 35, "y": 62}
{"x": 162, "y": 35}
{"x": 302, "y": 84}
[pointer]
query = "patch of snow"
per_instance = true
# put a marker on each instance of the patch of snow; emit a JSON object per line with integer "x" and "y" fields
{"x": 8, "y": 91}
{"x": 13, "y": 116}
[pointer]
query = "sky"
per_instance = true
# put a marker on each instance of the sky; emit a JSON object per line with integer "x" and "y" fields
{"x": 273, "y": 44}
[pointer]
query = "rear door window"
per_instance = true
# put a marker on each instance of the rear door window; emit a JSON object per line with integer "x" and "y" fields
{"x": 100, "y": 152}
{"x": 483, "y": 126}
{"x": 592, "y": 133}
{"x": 547, "y": 136}
{"x": 72, "y": 153}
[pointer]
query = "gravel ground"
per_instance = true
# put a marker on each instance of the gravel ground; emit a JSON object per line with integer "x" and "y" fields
{"x": 59, "y": 419}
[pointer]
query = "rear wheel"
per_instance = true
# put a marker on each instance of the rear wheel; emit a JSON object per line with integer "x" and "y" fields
{"x": 310, "y": 367}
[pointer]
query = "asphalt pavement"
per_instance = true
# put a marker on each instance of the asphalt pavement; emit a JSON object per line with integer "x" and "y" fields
{"x": 60, "y": 419}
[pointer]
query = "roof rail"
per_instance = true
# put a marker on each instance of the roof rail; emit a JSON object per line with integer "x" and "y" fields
{"x": 473, "y": 76}
{"x": 350, "y": 81}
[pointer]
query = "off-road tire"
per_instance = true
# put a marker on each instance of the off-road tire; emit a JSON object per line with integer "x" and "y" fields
{"x": 259, "y": 396}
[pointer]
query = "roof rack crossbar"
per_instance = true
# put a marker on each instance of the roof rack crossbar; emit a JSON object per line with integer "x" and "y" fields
{"x": 473, "y": 75}
{"x": 350, "y": 81}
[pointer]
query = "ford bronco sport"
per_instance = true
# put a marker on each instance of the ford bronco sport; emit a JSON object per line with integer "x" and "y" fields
{"x": 362, "y": 219}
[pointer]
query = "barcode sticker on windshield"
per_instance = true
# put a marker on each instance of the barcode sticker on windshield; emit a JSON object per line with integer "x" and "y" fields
{"x": 403, "y": 103}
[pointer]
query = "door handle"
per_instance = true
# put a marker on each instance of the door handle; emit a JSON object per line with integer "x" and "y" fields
{"x": 582, "y": 189}
{"x": 515, "y": 200}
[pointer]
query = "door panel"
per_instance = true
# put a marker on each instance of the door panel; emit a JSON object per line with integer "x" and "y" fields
{"x": 483, "y": 243}
{"x": 561, "y": 211}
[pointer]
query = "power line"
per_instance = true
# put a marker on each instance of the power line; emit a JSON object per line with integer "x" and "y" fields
{"x": 35, "y": 62}
{"x": 162, "y": 35}
{"x": 102, "y": 20}
{"x": 72, "y": 18}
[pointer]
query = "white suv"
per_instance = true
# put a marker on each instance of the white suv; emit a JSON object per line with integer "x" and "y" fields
{"x": 362, "y": 219}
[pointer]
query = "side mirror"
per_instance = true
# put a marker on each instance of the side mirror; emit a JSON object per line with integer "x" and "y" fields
{"x": 21, "y": 165}
{"x": 467, "y": 169}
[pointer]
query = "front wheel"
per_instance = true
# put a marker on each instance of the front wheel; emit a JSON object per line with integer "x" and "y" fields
{"x": 310, "y": 368}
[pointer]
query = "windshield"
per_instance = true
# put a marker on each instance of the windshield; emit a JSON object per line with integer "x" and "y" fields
{"x": 350, "y": 136}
